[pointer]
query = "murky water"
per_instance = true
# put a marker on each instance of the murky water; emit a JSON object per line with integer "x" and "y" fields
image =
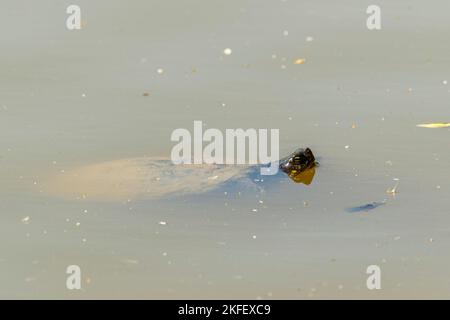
{"x": 74, "y": 98}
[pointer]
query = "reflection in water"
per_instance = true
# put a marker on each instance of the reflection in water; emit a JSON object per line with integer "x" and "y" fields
{"x": 305, "y": 177}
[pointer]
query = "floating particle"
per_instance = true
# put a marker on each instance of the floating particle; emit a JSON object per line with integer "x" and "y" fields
{"x": 227, "y": 51}
{"x": 131, "y": 261}
{"x": 163, "y": 223}
{"x": 164, "y": 254}
{"x": 255, "y": 210}
{"x": 260, "y": 201}
{"x": 299, "y": 61}
{"x": 26, "y": 220}
{"x": 353, "y": 126}
{"x": 434, "y": 125}
{"x": 393, "y": 190}
{"x": 444, "y": 82}
{"x": 285, "y": 33}
{"x": 85, "y": 211}
{"x": 309, "y": 39}
{"x": 397, "y": 238}
{"x": 77, "y": 224}
{"x": 289, "y": 118}
{"x": 160, "y": 71}
{"x": 274, "y": 56}
{"x": 146, "y": 94}
{"x": 253, "y": 236}
{"x": 84, "y": 240}
{"x": 283, "y": 66}
{"x": 410, "y": 90}
{"x": 30, "y": 279}
{"x": 213, "y": 178}
{"x": 346, "y": 147}
{"x": 431, "y": 240}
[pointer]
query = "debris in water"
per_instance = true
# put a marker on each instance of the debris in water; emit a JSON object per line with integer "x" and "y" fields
{"x": 434, "y": 125}
{"x": 146, "y": 94}
{"x": 160, "y": 71}
{"x": 309, "y": 39}
{"x": 393, "y": 190}
{"x": 227, "y": 51}
{"x": 26, "y": 220}
{"x": 163, "y": 223}
{"x": 299, "y": 61}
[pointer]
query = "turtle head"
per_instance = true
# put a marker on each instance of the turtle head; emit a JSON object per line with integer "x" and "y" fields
{"x": 298, "y": 162}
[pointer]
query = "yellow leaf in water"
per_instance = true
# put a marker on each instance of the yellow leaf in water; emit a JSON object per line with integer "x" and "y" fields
{"x": 434, "y": 125}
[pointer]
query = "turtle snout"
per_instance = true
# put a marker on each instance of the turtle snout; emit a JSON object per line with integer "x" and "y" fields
{"x": 285, "y": 166}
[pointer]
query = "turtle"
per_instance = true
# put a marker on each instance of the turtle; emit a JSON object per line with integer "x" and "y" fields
{"x": 154, "y": 178}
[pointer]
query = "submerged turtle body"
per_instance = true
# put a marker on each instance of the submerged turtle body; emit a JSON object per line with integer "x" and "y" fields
{"x": 147, "y": 177}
